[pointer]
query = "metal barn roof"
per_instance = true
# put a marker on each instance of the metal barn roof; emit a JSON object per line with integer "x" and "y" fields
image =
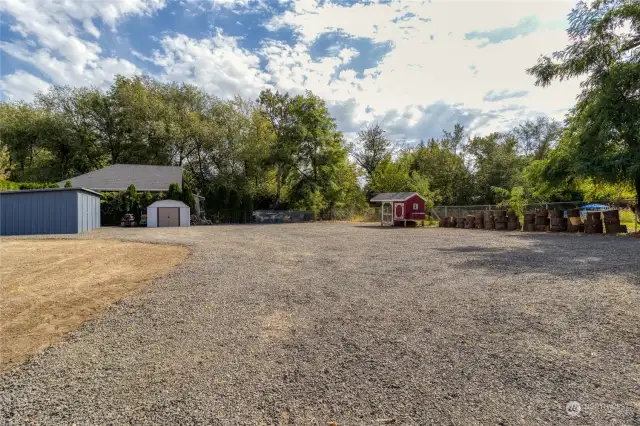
{"x": 394, "y": 196}
{"x": 118, "y": 177}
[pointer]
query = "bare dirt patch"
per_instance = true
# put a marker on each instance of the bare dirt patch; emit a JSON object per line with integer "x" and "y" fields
{"x": 49, "y": 287}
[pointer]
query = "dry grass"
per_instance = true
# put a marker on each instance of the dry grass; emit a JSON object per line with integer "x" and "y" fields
{"x": 49, "y": 287}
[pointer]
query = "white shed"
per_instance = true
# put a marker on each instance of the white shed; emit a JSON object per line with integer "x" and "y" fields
{"x": 168, "y": 213}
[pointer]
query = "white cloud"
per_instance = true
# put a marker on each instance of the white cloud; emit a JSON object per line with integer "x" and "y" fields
{"x": 21, "y": 86}
{"x": 216, "y": 64}
{"x": 432, "y": 62}
{"x": 54, "y": 44}
{"x": 446, "y": 57}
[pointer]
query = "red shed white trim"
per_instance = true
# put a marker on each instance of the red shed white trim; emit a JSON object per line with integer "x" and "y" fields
{"x": 398, "y": 208}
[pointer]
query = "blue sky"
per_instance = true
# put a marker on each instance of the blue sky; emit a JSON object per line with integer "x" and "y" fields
{"x": 415, "y": 67}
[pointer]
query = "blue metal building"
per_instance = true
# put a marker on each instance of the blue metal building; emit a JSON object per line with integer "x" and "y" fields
{"x": 49, "y": 211}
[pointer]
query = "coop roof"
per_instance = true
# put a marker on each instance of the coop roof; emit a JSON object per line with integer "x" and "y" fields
{"x": 394, "y": 196}
{"x": 118, "y": 177}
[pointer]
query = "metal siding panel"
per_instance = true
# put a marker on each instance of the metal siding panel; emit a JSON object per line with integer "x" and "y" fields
{"x": 72, "y": 212}
{"x": 17, "y": 214}
{"x": 54, "y": 215}
{"x": 83, "y": 211}
{"x": 79, "y": 197}
{"x": 96, "y": 211}
{"x": 86, "y": 212}
{"x": 3, "y": 215}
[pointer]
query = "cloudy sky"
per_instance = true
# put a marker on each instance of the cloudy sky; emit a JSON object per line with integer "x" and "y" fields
{"x": 416, "y": 67}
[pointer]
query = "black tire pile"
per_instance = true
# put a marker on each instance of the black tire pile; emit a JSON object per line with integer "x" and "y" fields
{"x": 488, "y": 220}
{"x": 483, "y": 219}
{"x": 612, "y": 222}
{"x": 593, "y": 224}
{"x": 529, "y": 222}
{"x": 558, "y": 221}
{"x": 541, "y": 220}
{"x": 574, "y": 223}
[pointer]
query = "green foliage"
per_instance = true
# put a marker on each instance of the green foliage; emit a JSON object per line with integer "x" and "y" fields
{"x": 397, "y": 176}
{"x": 438, "y": 161}
{"x": 6, "y": 185}
{"x": 603, "y": 137}
{"x": 67, "y": 184}
{"x": 187, "y": 195}
{"x": 174, "y": 192}
{"x": 145, "y": 200}
{"x": 513, "y": 200}
{"x": 496, "y": 162}
{"x": 372, "y": 146}
{"x": 131, "y": 200}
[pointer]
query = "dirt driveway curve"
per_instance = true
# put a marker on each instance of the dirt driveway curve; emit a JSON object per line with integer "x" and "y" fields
{"x": 315, "y": 323}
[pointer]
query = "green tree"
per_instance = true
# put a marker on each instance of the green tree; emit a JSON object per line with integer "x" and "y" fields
{"x": 371, "y": 148}
{"x": 537, "y": 137}
{"x": 445, "y": 170}
{"x": 67, "y": 184}
{"x": 131, "y": 200}
{"x": 603, "y": 136}
{"x": 174, "y": 192}
{"x": 496, "y": 163}
{"x": 187, "y": 195}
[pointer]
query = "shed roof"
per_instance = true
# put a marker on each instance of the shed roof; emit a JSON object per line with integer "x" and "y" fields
{"x": 168, "y": 203}
{"x": 118, "y": 177}
{"x": 23, "y": 191}
{"x": 394, "y": 196}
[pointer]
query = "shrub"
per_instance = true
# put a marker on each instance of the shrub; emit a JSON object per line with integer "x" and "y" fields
{"x": 6, "y": 185}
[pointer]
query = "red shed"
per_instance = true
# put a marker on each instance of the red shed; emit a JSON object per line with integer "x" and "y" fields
{"x": 398, "y": 208}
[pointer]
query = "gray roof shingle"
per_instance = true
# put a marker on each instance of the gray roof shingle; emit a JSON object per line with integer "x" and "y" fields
{"x": 118, "y": 177}
{"x": 392, "y": 196}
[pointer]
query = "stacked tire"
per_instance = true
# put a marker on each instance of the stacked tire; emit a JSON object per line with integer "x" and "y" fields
{"x": 542, "y": 222}
{"x": 529, "y": 224}
{"x": 612, "y": 222}
{"x": 513, "y": 224}
{"x": 444, "y": 222}
{"x": 470, "y": 222}
{"x": 460, "y": 222}
{"x": 593, "y": 224}
{"x": 558, "y": 221}
{"x": 488, "y": 220}
{"x": 575, "y": 222}
{"x": 500, "y": 220}
{"x": 479, "y": 219}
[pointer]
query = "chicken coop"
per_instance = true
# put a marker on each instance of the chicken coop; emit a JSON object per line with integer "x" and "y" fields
{"x": 400, "y": 208}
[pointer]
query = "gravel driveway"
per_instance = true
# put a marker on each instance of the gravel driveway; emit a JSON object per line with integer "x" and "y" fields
{"x": 316, "y": 323}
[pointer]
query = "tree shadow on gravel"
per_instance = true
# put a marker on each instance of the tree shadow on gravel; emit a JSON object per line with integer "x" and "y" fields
{"x": 561, "y": 256}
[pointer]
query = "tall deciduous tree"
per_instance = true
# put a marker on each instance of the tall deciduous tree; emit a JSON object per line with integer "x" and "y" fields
{"x": 603, "y": 138}
{"x": 372, "y": 146}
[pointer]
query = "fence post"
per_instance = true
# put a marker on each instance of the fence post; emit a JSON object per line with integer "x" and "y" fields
{"x": 445, "y": 212}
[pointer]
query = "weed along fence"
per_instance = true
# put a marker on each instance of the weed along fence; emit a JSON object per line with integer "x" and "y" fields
{"x": 592, "y": 218}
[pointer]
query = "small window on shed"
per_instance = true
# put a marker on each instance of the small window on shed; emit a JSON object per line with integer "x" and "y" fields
{"x": 415, "y": 206}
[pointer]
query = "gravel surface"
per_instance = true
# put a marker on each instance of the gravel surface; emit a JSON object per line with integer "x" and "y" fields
{"x": 316, "y": 323}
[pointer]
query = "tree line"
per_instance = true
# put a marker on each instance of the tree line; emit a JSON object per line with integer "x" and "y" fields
{"x": 286, "y": 152}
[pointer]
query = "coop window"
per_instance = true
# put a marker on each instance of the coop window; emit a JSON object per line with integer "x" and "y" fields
{"x": 415, "y": 206}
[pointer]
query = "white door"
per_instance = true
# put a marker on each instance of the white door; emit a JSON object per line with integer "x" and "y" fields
{"x": 387, "y": 213}
{"x": 398, "y": 211}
